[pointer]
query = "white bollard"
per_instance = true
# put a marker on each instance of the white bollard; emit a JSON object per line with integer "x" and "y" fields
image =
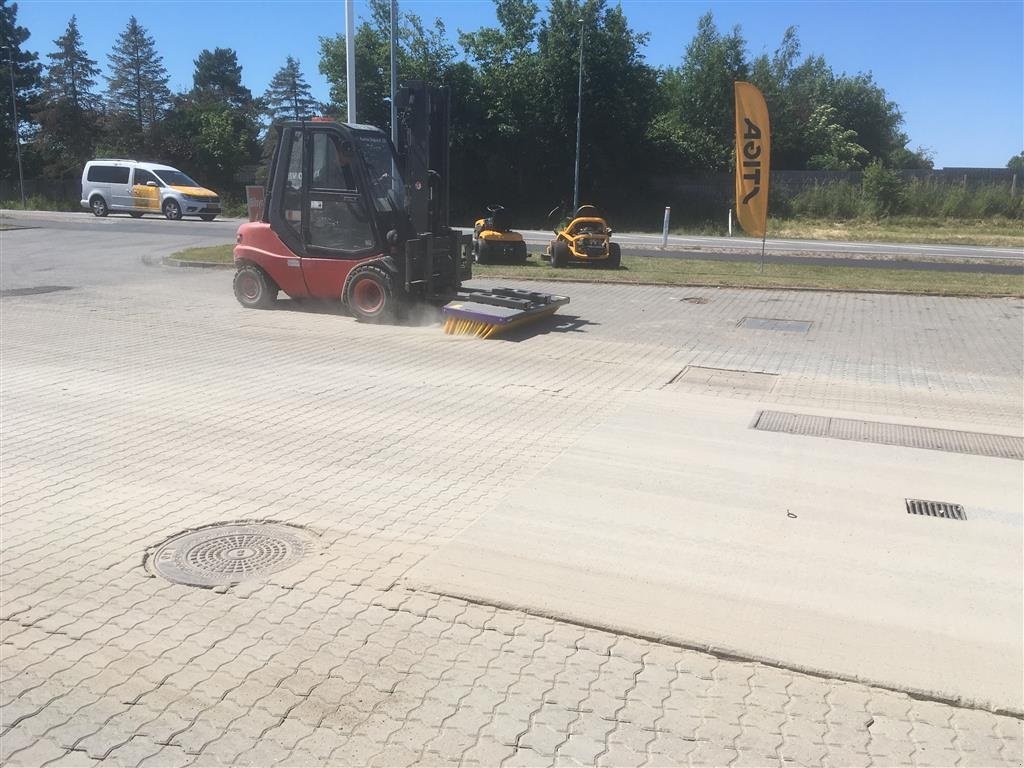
{"x": 730, "y": 222}
{"x": 664, "y": 228}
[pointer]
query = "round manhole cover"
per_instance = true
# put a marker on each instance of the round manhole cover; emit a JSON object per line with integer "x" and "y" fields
{"x": 228, "y": 554}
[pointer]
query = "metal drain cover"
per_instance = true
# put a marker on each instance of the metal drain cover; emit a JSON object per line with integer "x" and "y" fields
{"x": 229, "y": 553}
{"x": 944, "y": 509}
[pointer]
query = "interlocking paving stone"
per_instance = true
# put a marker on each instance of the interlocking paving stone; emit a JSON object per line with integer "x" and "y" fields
{"x": 137, "y": 410}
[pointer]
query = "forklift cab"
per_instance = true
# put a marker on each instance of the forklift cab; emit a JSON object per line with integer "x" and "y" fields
{"x": 336, "y": 191}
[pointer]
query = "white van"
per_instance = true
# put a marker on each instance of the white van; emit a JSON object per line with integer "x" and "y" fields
{"x": 138, "y": 188}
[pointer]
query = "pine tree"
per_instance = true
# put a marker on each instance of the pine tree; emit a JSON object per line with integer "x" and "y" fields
{"x": 218, "y": 77}
{"x": 288, "y": 96}
{"x": 69, "y": 114}
{"x": 71, "y": 74}
{"x": 138, "y": 86}
{"x": 27, "y": 81}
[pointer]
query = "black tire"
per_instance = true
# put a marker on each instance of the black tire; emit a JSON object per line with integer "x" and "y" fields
{"x": 172, "y": 210}
{"x": 253, "y": 288}
{"x": 207, "y": 216}
{"x": 99, "y": 206}
{"x": 614, "y": 256}
{"x": 135, "y": 214}
{"x": 521, "y": 254}
{"x": 370, "y": 294}
{"x": 481, "y": 252}
{"x": 559, "y": 254}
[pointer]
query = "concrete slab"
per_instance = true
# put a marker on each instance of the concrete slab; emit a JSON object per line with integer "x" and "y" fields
{"x": 674, "y": 520}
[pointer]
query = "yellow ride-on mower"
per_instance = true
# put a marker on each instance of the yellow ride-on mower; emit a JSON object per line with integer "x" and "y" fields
{"x": 494, "y": 241}
{"x": 583, "y": 239}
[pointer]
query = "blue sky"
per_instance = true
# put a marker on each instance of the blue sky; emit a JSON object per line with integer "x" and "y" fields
{"x": 955, "y": 68}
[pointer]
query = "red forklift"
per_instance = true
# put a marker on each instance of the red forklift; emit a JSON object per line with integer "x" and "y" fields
{"x": 348, "y": 218}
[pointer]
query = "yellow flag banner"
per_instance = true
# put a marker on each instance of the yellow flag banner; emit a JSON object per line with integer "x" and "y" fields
{"x": 753, "y": 149}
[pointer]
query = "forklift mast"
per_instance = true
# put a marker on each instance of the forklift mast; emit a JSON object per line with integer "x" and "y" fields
{"x": 423, "y": 121}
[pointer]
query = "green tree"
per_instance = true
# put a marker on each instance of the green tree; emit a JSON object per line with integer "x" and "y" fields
{"x": 882, "y": 190}
{"x": 804, "y": 125}
{"x": 69, "y": 114}
{"x": 695, "y": 130}
{"x": 831, "y": 147}
{"x": 218, "y": 77}
{"x": 137, "y": 87}
{"x": 213, "y": 131}
{"x": 1016, "y": 163}
{"x": 423, "y": 53}
{"x": 27, "y": 87}
{"x": 288, "y": 96}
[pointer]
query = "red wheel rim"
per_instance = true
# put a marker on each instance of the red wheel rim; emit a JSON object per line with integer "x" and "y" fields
{"x": 368, "y": 296}
{"x": 249, "y": 286}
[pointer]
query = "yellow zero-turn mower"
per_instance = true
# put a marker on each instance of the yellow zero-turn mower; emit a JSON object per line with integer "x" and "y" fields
{"x": 584, "y": 239}
{"x": 495, "y": 242}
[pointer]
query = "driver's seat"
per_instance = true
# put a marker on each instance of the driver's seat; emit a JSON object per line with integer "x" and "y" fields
{"x": 499, "y": 220}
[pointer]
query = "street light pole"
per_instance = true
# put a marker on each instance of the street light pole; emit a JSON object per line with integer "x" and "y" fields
{"x": 17, "y": 136}
{"x": 350, "y": 59}
{"x": 579, "y": 123}
{"x": 394, "y": 73}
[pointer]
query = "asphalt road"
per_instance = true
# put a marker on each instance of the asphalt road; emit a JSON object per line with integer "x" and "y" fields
{"x": 809, "y": 252}
{"x": 823, "y": 247}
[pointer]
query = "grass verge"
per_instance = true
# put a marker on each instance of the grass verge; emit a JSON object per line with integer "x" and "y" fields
{"x": 211, "y": 254}
{"x": 657, "y": 271}
{"x": 993, "y": 233}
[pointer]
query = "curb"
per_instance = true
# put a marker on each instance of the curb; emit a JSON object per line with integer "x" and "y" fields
{"x": 172, "y": 262}
{"x": 742, "y": 287}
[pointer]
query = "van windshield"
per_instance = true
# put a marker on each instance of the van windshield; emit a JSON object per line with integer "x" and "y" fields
{"x": 176, "y": 179}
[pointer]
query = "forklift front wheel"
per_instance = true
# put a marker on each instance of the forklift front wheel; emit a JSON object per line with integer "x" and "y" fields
{"x": 370, "y": 294}
{"x": 253, "y": 289}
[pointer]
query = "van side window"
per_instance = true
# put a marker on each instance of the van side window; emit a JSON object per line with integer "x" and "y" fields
{"x": 142, "y": 176}
{"x": 108, "y": 174}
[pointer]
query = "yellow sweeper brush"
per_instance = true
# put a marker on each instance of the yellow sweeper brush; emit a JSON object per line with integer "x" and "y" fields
{"x": 487, "y": 313}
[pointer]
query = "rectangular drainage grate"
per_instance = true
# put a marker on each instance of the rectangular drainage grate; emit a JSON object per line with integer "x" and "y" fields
{"x": 950, "y": 440}
{"x": 935, "y": 509}
{"x": 773, "y": 324}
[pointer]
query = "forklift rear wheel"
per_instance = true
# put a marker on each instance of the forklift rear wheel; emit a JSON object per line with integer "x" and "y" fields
{"x": 253, "y": 288}
{"x": 614, "y": 256}
{"x": 370, "y": 295}
{"x": 559, "y": 254}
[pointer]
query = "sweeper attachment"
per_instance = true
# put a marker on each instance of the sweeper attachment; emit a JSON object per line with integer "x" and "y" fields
{"x": 349, "y": 218}
{"x": 486, "y": 313}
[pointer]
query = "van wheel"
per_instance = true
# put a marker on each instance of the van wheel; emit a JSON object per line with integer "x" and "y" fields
{"x": 253, "y": 288}
{"x": 172, "y": 210}
{"x": 135, "y": 214}
{"x": 99, "y": 206}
